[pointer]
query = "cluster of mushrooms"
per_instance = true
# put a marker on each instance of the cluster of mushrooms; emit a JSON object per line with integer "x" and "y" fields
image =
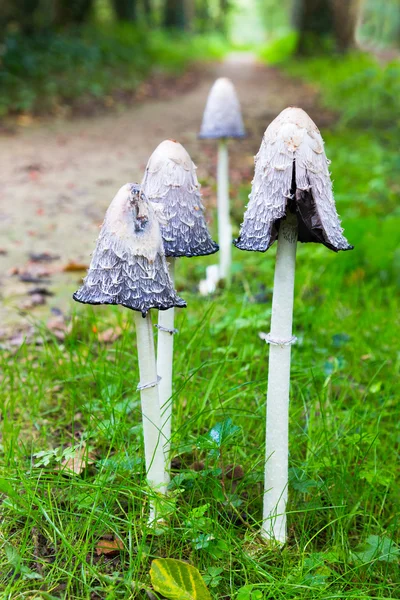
{"x": 148, "y": 226}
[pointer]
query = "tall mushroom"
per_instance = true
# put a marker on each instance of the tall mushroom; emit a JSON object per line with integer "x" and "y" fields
{"x": 128, "y": 267}
{"x": 170, "y": 182}
{"x": 291, "y": 200}
{"x": 222, "y": 119}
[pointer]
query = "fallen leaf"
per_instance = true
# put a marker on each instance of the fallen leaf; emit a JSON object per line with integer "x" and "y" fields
{"x": 74, "y": 266}
{"x": 28, "y": 278}
{"x": 25, "y": 120}
{"x": 32, "y": 167}
{"x": 58, "y": 326}
{"x": 110, "y": 335}
{"x": 234, "y": 472}
{"x": 197, "y": 466}
{"x": 31, "y": 273}
{"x": 109, "y": 547}
{"x": 77, "y": 463}
{"x": 34, "y": 300}
{"x": 176, "y": 579}
{"x": 16, "y": 339}
{"x": 43, "y": 257}
{"x": 40, "y": 290}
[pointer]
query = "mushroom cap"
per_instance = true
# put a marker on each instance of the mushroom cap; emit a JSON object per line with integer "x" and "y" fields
{"x": 128, "y": 265}
{"x": 291, "y": 172}
{"x": 222, "y": 116}
{"x": 170, "y": 183}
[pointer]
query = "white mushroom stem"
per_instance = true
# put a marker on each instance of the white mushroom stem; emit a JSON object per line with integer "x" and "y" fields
{"x": 151, "y": 417}
{"x": 224, "y": 224}
{"x": 277, "y": 427}
{"x": 165, "y": 351}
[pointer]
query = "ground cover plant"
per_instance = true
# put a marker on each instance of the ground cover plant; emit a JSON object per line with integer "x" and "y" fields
{"x": 92, "y": 67}
{"x": 75, "y": 501}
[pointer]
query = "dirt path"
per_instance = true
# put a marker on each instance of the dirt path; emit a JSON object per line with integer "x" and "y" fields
{"x": 57, "y": 179}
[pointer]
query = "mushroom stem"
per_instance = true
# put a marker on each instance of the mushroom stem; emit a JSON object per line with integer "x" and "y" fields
{"x": 151, "y": 417}
{"x": 165, "y": 350}
{"x": 224, "y": 224}
{"x": 277, "y": 427}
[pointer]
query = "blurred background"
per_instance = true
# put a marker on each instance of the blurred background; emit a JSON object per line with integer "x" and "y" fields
{"x": 88, "y": 89}
{"x": 56, "y": 52}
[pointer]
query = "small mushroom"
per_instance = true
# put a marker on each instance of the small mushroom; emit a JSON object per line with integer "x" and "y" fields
{"x": 128, "y": 267}
{"x": 222, "y": 119}
{"x": 222, "y": 116}
{"x": 171, "y": 185}
{"x": 291, "y": 200}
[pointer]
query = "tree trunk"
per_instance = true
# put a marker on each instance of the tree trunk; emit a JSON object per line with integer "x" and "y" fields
{"x": 203, "y": 18}
{"x": 315, "y": 20}
{"x": 322, "y": 20}
{"x": 224, "y": 7}
{"x": 147, "y": 11}
{"x": 346, "y": 17}
{"x": 125, "y": 10}
{"x": 20, "y": 12}
{"x": 174, "y": 14}
{"x": 73, "y": 12}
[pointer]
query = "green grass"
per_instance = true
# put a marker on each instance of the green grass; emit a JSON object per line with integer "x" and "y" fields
{"x": 278, "y": 50}
{"x": 344, "y": 424}
{"x": 42, "y": 74}
{"x": 357, "y": 86}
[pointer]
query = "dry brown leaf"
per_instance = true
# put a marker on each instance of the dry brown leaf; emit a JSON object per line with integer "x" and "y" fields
{"x": 59, "y": 327}
{"x": 30, "y": 271}
{"x": 25, "y": 120}
{"x": 109, "y": 547}
{"x": 108, "y": 336}
{"x": 79, "y": 462}
{"x": 73, "y": 266}
{"x": 40, "y": 257}
{"x": 34, "y": 300}
{"x": 15, "y": 338}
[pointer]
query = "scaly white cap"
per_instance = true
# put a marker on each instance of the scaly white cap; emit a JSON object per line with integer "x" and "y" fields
{"x": 291, "y": 173}
{"x": 170, "y": 181}
{"x": 128, "y": 265}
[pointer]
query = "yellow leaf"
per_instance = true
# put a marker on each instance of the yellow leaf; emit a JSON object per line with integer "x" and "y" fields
{"x": 177, "y": 580}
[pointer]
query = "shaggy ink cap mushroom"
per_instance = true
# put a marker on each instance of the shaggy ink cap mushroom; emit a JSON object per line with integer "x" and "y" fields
{"x": 222, "y": 116}
{"x": 170, "y": 182}
{"x": 128, "y": 265}
{"x": 291, "y": 173}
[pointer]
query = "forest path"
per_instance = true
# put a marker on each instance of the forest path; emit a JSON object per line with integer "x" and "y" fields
{"x": 58, "y": 178}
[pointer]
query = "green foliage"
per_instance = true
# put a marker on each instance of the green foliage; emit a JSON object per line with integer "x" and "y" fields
{"x": 377, "y": 547}
{"x": 44, "y": 72}
{"x": 178, "y": 580}
{"x": 219, "y": 436}
{"x": 14, "y": 560}
{"x": 363, "y": 91}
{"x": 381, "y": 23}
{"x": 279, "y": 49}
